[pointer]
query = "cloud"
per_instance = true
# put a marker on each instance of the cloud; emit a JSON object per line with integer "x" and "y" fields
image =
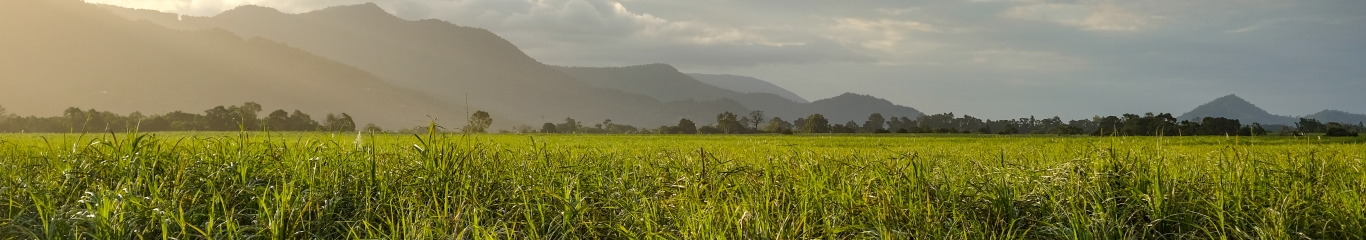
{"x": 708, "y": 56}
{"x": 1100, "y": 17}
{"x": 883, "y": 34}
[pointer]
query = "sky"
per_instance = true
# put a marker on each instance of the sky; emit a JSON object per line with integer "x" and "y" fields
{"x": 991, "y": 59}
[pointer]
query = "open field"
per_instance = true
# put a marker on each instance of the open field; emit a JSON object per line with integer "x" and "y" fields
{"x": 433, "y": 186}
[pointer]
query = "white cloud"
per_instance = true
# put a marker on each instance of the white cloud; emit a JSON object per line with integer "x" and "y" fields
{"x": 1097, "y": 16}
{"x": 885, "y": 35}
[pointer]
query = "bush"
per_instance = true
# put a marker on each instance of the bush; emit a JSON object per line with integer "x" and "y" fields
{"x": 709, "y": 130}
{"x": 1338, "y": 130}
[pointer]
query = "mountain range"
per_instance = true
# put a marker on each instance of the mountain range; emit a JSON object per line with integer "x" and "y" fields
{"x": 454, "y": 63}
{"x": 66, "y": 53}
{"x": 448, "y": 62}
{"x": 1234, "y": 107}
{"x": 664, "y": 82}
{"x": 745, "y": 84}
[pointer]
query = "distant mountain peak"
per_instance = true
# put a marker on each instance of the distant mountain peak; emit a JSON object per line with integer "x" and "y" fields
{"x": 745, "y": 84}
{"x": 848, "y": 103}
{"x": 1234, "y": 107}
{"x": 1233, "y": 101}
{"x": 850, "y": 94}
{"x": 1328, "y": 115}
{"x": 250, "y": 10}
{"x": 860, "y": 97}
{"x": 1231, "y": 98}
{"x": 657, "y": 66}
{"x": 369, "y": 10}
{"x": 370, "y": 7}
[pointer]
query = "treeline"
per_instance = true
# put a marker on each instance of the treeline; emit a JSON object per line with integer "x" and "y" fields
{"x": 247, "y": 118}
{"x": 232, "y": 118}
{"x": 1126, "y": 125}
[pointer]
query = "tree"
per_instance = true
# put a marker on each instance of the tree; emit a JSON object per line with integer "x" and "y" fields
{"x": 685, "y": 126}
{"x": 1310, "y": 126}
{"x": 331, "y": 122}
{"x": 75, "y": 118}
{"x": 183, "y": 121}
{"x": 372, "y": 128}
{"x": 610, "y": 127}
{"x": 523, "y": 128}
{"x": 777, "y": 125}
{"x": 569, "y": 126}
{"x": 744, "y": 123}
{"x": 756, "y": 117}
{"x": 1258, "y": 130}
{"x": 220, "y": 119}
{"x": 848, "y": 127}
{"x": 278, "y": 121}
{"x": 1107, "y": 125}
{"x": 709, "y": 130}
{"x": 548, "y": 128}
{"x": 246, "y": 116}
{"x": 1010, "y": 129}
{"x": 1334, "y": 129}
{"x": 347, "y": 124}
{"x": 1219, "y": 126}
{"x": 727, "y": 123}
{"x": 300, "y": 121}
{"x": 342, "y": 123}
{"x": 94, "y": 121}
{"x": 816, "y": 123}
{"x": 479, "y": 122}
{"x": 874, "y": 123}
{"x": 4, "y": 116}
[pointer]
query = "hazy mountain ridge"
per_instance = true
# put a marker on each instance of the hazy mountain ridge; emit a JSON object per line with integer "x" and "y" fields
{"x": 663, "y": 81}
{"x": 660, "y": 81}
{"x": 66, "y": 53}
{"x": 1234, "y": 107}
{"x": 444, "y": 60}
{"x": 857, "y": 107}
{"x": 1327, "y": 116}
{"x": 745, "y": 84}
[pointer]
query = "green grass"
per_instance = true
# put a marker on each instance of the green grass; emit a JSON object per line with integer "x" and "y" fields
{"x": 326, "y": 186}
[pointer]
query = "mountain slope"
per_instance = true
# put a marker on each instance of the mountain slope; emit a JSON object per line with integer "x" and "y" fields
{"x": 665, "y": 82}
{"x": 449, "y": 62}
{"x": 1234, "y": 107}
{"x": 858, "y": 107}
{"x": 746, "y": 85}
{"x": 66, "y": 53}
{"x": 1327, "y": 116}
{"x": 660, "y": 81}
